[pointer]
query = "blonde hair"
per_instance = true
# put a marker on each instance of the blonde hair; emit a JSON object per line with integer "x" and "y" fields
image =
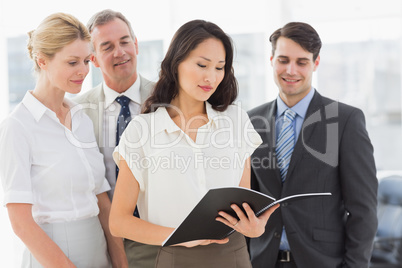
{"x": 53, "y": 34}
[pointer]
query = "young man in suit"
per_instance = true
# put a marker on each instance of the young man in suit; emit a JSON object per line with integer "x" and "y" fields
{"x": 114, "y": 51}
{"x": 320, "y": 145}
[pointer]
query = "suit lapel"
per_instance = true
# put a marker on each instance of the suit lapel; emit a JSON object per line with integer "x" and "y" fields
{"x": 267, "y": 149}
{"x": 272, "y": 116}
{"x": 146, "y": 88}
{"x": 97, "y": 113}
{"x": 306, "y": 133}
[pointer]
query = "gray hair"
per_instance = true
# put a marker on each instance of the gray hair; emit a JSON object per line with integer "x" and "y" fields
{"x": 105, "y": 16}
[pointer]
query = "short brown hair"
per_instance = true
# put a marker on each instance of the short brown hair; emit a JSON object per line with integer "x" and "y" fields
{"x": 301, "y": 33}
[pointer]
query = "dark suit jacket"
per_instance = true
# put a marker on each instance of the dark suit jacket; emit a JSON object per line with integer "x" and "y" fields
{"x": 334, "y": 154}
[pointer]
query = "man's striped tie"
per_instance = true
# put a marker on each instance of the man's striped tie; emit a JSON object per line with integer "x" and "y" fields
{"x": 285, "y": 143}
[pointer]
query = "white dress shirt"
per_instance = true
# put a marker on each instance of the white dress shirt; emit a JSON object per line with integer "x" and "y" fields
{"x": 43, "y": 163}
{"x": 112, "y": 110}
{"x": 173, "y": 171}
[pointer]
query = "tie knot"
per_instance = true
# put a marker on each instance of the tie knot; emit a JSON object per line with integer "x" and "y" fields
{"x": 123, "y": 100}
{"x": 289, "y": 115}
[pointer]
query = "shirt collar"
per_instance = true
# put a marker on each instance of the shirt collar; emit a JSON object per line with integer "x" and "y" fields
{"x": 213, "y": 115}
{"x": 38, "y": 109}
{"x": 133, "y": 93}
{"x": 300, "y": 108}
{"x": 34, "y": 106}
{"x": 166, "y": 123}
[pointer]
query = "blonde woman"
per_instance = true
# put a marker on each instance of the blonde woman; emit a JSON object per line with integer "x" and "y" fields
{"x": 51, "y": 170}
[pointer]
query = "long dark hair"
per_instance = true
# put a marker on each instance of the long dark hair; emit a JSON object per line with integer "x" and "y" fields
{"x": 186, "y": 39}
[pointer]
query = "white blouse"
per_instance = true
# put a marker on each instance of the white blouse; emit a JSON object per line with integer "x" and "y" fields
{"x": 45, "y": 164}
{"x": 173, "y": 171}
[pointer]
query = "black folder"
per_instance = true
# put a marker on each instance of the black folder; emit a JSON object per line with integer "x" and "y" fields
{"x": 201, "y": 222}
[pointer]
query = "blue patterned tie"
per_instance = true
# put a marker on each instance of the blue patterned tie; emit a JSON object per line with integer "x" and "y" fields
{"x": 124, "y": 116}
{"x": 285, "y": 143}
{"x": 122, "y": 122}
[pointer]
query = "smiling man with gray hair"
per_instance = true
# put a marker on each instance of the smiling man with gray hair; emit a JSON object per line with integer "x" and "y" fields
{"x": 113, "y": 103}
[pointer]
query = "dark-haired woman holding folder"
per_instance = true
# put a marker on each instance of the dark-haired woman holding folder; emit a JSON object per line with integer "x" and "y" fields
{"x": 191, "y": 138}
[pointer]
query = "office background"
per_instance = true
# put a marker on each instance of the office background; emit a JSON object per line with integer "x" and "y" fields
{"x": 361, "y": 58}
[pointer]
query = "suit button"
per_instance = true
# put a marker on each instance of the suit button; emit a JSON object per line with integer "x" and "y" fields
{"x": 284, "y": 204}
{"x": 277, "y": 235}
